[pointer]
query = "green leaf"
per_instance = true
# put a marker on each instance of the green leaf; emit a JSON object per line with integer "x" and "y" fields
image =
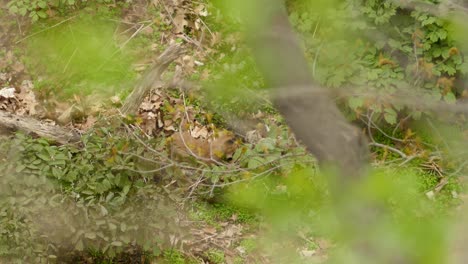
{"x": 255, "y": 162}
{"x": 442, "y": 34}
{"x": 57, "y": 173}
{"x": 394, "y": 44}
{"x": 22, "y": 11}
{"x": 34, "y": 17}
{"x": 450, "y": 98}
{"x": 355, "y": 102}
{"x": 390, "y": 116}
{"x": 42, "y": 14}
{"x": 42, "y": 4}
{"x": 265, "y": 145}
{"x": 464, "y": 68}
{"x": 20, "y": 168}
{"x": 450, "y": 70}
{"x": 237, "y": 154}
{"x": 373, "y": 74}
{"x": 416, "y": 115}
{"x": 13, "y": 9}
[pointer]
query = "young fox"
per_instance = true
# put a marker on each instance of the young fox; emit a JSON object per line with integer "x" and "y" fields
{"x": 216, "y": 148}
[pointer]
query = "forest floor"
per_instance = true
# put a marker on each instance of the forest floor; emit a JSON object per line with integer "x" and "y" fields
{"x": 218, "y": 231}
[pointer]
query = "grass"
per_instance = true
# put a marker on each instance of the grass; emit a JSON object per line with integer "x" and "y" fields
{"x": 214, "y": 214}
{"x": 215, "y": 256}
{"x": 173, "y": 257}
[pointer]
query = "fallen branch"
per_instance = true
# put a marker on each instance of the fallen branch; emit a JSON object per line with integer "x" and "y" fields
{"x": 151, "y": 79}
{"x": 11, "y": 123}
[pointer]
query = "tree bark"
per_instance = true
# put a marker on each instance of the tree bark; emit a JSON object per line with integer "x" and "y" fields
{"x": 312, "y": 116}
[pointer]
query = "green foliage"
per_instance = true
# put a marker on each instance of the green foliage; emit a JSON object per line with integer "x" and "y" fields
{"x": 173, "y": 257}
{"x": 250, "y": 245}
{"x": 380, "y": 49}
{"x": 275, "y": 154}
{"x": 214, "y": 214}
{"x": 59, "y": 199}
{"x": 215, "y": 256}
{"x": 37, "y": 9}
{"x": 388, "y": 51}
{"x": 88, "y": 175}
{"x": 34, "y": 8}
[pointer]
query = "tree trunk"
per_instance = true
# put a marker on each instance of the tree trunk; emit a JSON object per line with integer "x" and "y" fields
{"x": 312, "y": 116}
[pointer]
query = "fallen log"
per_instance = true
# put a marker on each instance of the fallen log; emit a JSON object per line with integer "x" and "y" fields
{"x": 10, "y": 123}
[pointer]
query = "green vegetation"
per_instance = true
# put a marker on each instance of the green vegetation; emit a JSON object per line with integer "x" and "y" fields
{"x": 41, "y": 9}
{"x": 76, "y": 198}
{"x": 173, "y": 257}
{"x": 118, "y": 194}
{"x": 215, "y": 256}
{"x": 214, "y": 214}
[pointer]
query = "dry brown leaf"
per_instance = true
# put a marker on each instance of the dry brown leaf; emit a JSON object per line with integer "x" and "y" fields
{"x": 90, "y": 121}
{"x": 7, "y": 93}
{"x": 147, "y": 30}
{"x": 28, "y": 98}
{"x": 155, "y": 98}
{"x": 179, "y": 21}
{"x": 201, "y": 10}
{"x": 216, "y": 38}
{"x": 4, "y": 76}
{"x": 199, "y": 132}
{"x": 116, "y": 100}
{"x": 210, "y": 230}
{"x": 66, "y": 116}
{"x": 146, "y": 106}
{"x": 18, "y": 67}
{"x": 308, "y": 253}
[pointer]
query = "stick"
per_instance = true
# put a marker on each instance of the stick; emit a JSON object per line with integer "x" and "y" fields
{"x": 153, "y": 76}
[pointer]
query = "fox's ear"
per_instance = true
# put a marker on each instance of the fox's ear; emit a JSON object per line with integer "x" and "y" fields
{"x": 231, "y": 141}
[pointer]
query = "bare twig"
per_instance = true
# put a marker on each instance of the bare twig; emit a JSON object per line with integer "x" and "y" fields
{"x": 375, "y": 144}
{"x": 46, "y": 29}
{"x": 142, "y": 27}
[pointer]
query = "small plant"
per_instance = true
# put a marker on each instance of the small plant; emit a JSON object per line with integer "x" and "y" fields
{"x": 221, "y": 212}
{"x": 249, "y": 245}
{"x": 215, "y": 256}
{"x": 38, "y": 9}
{"x": 35, "y": 9}
{"x": 173, "y": 257}
{"x": 420, "y": 55}
{"x": 84, "y": 194}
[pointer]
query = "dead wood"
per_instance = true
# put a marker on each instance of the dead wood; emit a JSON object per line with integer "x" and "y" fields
{"x": 151, "y": 79}
{"x": 10, "y": 123}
